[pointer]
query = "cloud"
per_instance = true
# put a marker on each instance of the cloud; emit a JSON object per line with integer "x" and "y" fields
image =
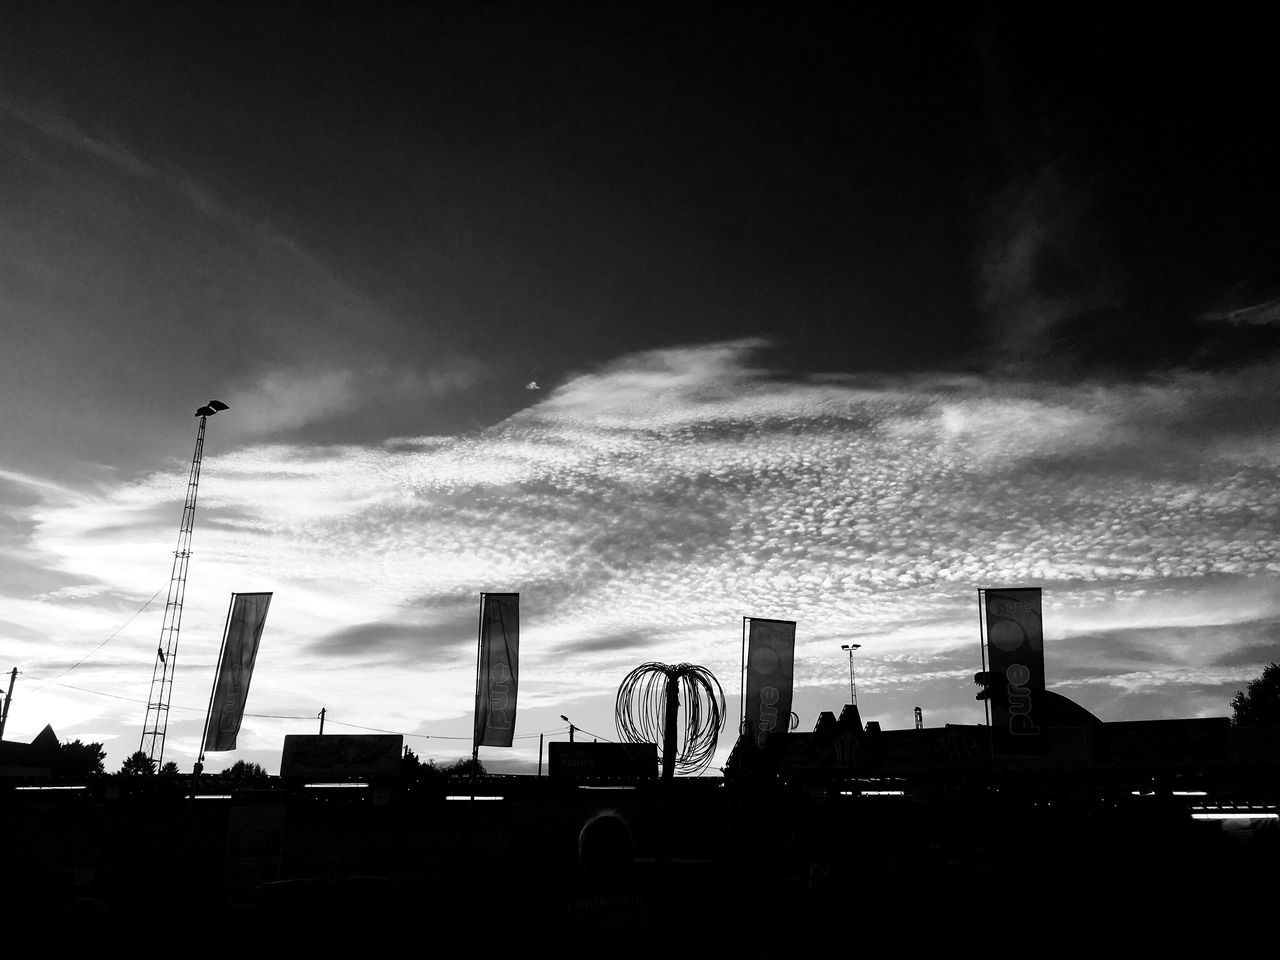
{"x": 398, "y": 641}
{"x": 39, "y": 485}
{"x": 264, "y": 315}
{"x": 609, "y": 643}
{"x": 71, "y": 593}
{"x": 123, "y": 159}
{"x": 1266, "y": 312}
{"x": 1059, "y": 302}
{"x": 643, "y": 509}
{"x": 660, "y": 387}
{"x": 1040, "y": 265}
{"x": 62, "y": 130}
{"x": 288, "y": 399}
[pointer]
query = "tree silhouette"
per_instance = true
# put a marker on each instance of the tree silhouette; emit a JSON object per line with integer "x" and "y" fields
{"x": 409, "y": 765}
{"x": 78, "y": 760}
{"x": 245, "y": 770}
{"x": 420, "y": 778}
{"x": 1259, "y": 703}
{"x": 466, "y": 767}
{"x": 170, "y": 769}
{"x": 138, "y": 764}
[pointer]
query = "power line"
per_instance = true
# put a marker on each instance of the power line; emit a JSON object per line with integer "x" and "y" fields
{"x": 590, "y": 734}
{"x": 102, "y": 693}
{"x": 431, "y": 736}
{"x": 279, "y": 716}
{"x": 102, "y": 644}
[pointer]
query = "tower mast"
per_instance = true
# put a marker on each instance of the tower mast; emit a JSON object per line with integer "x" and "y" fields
{"x": 157, "y": 719}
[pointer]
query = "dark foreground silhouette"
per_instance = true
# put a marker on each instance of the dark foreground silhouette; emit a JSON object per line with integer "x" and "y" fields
{"x": 764, "y": 868}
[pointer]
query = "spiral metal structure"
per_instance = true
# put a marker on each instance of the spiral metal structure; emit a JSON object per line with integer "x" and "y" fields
{"x": 641, "y": 711}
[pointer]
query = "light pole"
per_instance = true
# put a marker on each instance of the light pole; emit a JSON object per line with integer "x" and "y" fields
{"x": 853, "y": 688}
{"x": 156, "y": 723}
{"x": 571, "y": 726}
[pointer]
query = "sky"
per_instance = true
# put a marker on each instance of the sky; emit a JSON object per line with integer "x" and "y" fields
{"x": 661, "y": 316}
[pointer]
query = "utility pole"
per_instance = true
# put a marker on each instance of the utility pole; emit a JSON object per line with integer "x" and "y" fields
{"x": 156, "y": 723}
{"x": 4, "y": 714}
{"x": 321, "y": 715}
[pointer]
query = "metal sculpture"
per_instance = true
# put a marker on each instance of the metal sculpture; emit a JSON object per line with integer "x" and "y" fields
{"x": 646, "y": 712}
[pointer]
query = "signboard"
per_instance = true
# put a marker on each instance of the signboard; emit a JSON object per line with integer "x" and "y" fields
{"x": 342, "y": 757}
{"x": 630, "y": 761}
{"x": 1163, "y": 743}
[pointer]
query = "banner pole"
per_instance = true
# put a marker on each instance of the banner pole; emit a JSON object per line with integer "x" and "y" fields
{"x": 204, "y": 733}
{"x": 208, "y": 716}
{"x": 982, "y": 645}
{"x": 475, "y": 733}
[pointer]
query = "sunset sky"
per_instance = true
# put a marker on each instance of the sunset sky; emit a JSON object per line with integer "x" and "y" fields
{"x": 659, "y": 315}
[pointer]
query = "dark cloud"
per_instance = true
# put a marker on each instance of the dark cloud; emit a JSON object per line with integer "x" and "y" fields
{"x": 441, "y": 641}
{"x": 1260, "y": 645}
{"x": 1106, "y": 654}
{"x": 1165, "y": 701}
{"x": 1266, "y": 312}
{"x": 29, "y": 578}
{"x": 1115, "y": 652}
{"x": 607, "y": 643}
{"x": 1128, "y": 189}
{"x": 1122, "y": 341}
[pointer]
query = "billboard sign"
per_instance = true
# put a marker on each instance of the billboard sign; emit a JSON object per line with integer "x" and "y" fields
{"x": 341, "y": 756}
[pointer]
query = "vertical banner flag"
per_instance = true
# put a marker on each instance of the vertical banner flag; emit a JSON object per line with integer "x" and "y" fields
{"x": 235, "y": 668}
{"x": 1015, "y": 646}
{"x": 771, "y": 646}
{"x": 498, "y": 670}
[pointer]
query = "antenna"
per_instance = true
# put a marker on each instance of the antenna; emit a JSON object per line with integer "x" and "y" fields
{"x": 157, "y": 720}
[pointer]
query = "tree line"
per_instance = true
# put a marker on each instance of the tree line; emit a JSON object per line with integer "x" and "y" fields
{"x": 1257, "y": 705}
{"x": 79, "y": 761}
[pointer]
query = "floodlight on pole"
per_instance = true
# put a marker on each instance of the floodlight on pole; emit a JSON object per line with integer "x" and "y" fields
{"x": 853, "y": 687}
{"x": 155, "y": 725}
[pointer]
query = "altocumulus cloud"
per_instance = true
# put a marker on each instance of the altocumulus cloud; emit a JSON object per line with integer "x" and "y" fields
{"x": 643, "y": 508}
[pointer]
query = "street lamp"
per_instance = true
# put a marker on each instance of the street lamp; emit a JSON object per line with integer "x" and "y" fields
{"x": 571, "y": 726}
{"x": 853, "y": 689}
